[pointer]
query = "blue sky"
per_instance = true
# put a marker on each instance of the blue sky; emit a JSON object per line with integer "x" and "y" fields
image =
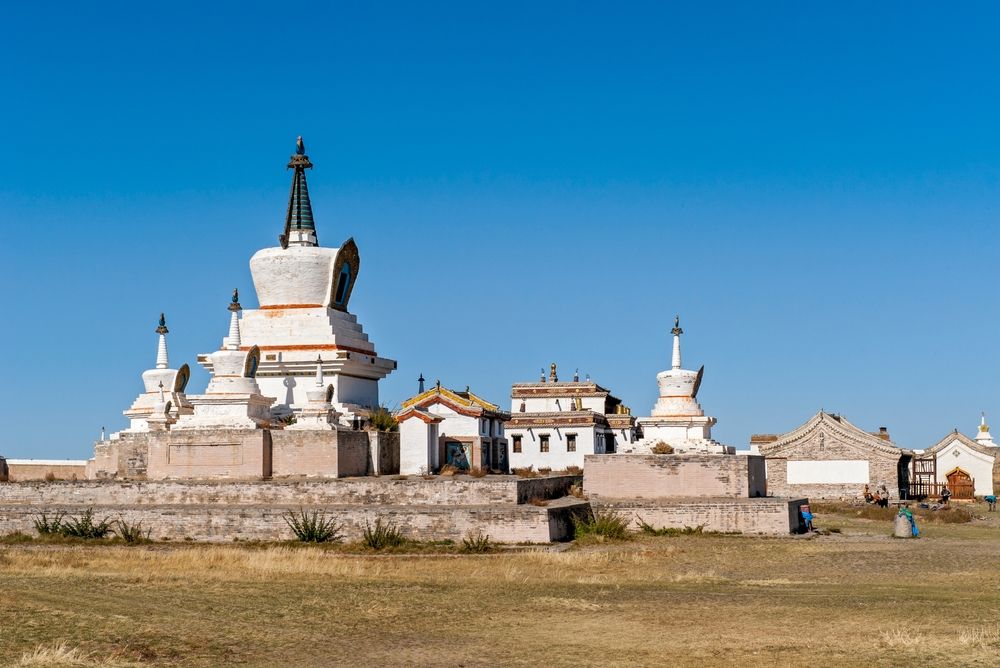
{"x": 813, "y": 188}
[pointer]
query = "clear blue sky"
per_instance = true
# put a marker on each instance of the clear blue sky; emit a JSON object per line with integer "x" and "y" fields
{"x": 813, "y": 188}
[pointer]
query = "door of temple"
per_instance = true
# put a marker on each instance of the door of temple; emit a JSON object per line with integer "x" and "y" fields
{"x": 960, "y": 484}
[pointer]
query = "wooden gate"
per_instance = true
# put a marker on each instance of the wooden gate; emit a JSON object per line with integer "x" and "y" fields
{"x": 960, "y": 484}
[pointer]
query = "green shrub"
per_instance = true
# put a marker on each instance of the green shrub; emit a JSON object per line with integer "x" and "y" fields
{"x": 477, "y": 542}
{"x": 85, "y": 526}
{"x": 382, "y": 535}
{"x": 382, "y": 419}
{"x": 131, "y": 532}
{"x": 46, "y": 526}
{"x": 602, "y": 524}
{"x": 647, "y": 528}
{"x": 314, "y": 527}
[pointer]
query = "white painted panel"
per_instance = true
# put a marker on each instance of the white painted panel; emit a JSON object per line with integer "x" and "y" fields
{"x": 828, "y": 472}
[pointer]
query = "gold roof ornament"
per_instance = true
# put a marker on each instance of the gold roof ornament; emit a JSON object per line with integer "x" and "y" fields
{"x": 552, "y": 373}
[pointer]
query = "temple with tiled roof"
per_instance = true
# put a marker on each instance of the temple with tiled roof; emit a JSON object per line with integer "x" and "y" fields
{"x": 441, "y": 427}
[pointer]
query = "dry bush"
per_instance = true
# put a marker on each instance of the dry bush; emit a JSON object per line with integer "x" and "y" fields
{"x": 662, "y": 448}
{"x": 538, "y": 501}
{"x": 525, "y": 472}
{"x": 50, "y": 477}
{"x": 574, "y": 470}
{"x": 577, "y": 491}
{"x": 62, "y": 656}
{"x": 448, "y": 469}
{"x": 544, "y": 470}
{"x": 477, "y": 472}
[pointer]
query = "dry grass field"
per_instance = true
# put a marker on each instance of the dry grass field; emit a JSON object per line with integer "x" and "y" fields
{"x": 855, "y": 598}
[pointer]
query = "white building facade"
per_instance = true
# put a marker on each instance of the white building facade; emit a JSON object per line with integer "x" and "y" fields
{"x": 555, "y": 424}
{"x": 441, "y": 427}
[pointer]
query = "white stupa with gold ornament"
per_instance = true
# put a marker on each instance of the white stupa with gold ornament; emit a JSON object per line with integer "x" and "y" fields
{"x": 677, "y": 419}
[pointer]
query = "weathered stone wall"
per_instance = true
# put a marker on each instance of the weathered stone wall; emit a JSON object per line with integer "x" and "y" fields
{"x": 39, "y": 470}
{"x": 443, "y": 508}
{"x": 319, "y": 454}
{"x": 750, "y": 516}
{"x": 491, "y": 490}
{"x": 215, "y": 453}
{"x": 383, "y": 452}
{"x": 674, "y": 476}
{"x": 880, "y": 469}
{"x": 507, "y": 524}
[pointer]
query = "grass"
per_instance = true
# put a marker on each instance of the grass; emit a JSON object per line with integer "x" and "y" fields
{"x": 650, "y": 530}
{"x": 477, "y": 542}
{"x": 866, "y": 599}
{"x": 954, "y": 514}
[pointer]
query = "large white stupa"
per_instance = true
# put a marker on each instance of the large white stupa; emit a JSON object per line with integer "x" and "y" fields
{"x": 303, "y": 291}
{"x": 677, "y": 418}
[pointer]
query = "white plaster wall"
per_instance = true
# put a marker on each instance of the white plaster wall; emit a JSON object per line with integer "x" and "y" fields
{"x": 556, "y": 458}
{"x": 978, "y": 465}
{"x": 294, "y": 275}
{"x": 827, "y": 472}
{"x": 417, "y": 447}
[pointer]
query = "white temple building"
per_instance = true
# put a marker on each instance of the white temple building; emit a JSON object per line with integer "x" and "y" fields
{"x": 677, "y": 418}
{"x": 304, "y": 290}
{"x": 968, "y": 467}
{"x": 553, "y": 424}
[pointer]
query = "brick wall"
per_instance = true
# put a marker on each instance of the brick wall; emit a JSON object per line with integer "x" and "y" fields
{"x": 221, "y": 511}
{"x": 26, "y": 472}
{"x": 750, "y": 516}
{"x": 673, "y": 476}
{"x": 491, "y": 490}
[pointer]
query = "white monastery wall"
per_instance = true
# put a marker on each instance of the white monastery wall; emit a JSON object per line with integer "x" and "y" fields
{"x": 828, "y": 472}
{"x": 557, "y": 458}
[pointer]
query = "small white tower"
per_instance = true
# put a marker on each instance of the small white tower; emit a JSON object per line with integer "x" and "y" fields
{"x": 171, "y": 382}
{"x": 983, "y": 436}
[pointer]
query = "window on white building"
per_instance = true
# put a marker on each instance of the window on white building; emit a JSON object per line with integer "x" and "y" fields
{"x": 517, "y": 443}
{"x": 543, "y": 443}
{"x": 570, "y": 442}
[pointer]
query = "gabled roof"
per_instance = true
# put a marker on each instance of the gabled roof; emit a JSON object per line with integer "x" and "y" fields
{"x": 465, "y": 403}
{"x": 834, "y": 424}
{"x": 412, "y": 412}
{"x": 964, "y": 440}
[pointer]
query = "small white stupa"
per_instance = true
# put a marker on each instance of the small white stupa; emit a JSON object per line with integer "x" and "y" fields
{"x": 983, "y": 436}
{"x": 160, "y": 383}
{"x": 318, "y": 413}
{"x": 232, "y": 399}
{"x": 677, "y": 418}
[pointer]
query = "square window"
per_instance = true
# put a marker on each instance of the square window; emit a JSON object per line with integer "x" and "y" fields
{"x": 543, "y": 443}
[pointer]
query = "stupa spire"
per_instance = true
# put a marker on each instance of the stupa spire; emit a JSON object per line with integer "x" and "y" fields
{"x": 162, "y": 361}
{"x": 677, "y": 331}
{"x": 233, "y": 340}
{"x": 299, "y": 227}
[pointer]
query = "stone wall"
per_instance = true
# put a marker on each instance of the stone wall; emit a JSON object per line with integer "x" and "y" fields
{"x": 444, "y": 490}
{"x": 438, "y": 509}
{"x": 319, "y": 454}
{"x": 383, "y": 452}
{"x": 751, "y": 516}
{"x": 674, "y": 476}
{"x": 880, "y": 469}
{"x": 210, "y": 453}
{"x": 38, "y": 470}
